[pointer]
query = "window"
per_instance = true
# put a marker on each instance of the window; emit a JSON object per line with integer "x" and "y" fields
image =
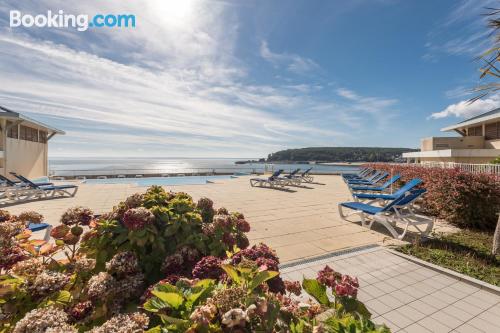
{"x": 42, "y": 136}
{"x": 492, "y": 131}
{"x": 28, "y": 133}
{"x": 13, "y": 131}
{"x": 475, "y": 131}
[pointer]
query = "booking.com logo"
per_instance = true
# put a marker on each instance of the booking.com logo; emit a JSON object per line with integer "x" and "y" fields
{"x": 61, "y": 20}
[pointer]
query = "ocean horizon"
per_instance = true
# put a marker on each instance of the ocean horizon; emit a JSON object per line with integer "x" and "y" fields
{"x": 157, "y": 165}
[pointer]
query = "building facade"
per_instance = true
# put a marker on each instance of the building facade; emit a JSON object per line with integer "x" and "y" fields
{"x": 479, "y": 142}
{"x": 25, "y": 144}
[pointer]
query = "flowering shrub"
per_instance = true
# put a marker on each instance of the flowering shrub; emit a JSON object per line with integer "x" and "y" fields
{"x": 464, "y": 199}
{"x": 97, "y": 280}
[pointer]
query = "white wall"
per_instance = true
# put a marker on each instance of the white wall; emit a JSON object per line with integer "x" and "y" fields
{"x": 26, "y": 158}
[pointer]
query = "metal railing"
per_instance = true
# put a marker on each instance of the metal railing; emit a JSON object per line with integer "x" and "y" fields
{"x": 472, "y": 168}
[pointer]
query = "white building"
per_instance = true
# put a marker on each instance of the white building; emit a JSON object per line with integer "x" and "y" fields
{"x": 24, "y": 144}
{"x": 479, "y": 142}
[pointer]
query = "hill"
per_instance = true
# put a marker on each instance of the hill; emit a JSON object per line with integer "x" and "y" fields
{"x": 339, "y": 154}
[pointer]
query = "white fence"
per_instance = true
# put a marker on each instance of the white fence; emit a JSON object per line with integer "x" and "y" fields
{"x": 473, "y": 168}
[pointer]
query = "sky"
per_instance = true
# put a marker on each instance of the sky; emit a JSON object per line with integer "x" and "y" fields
{"x": 245, "y": 78}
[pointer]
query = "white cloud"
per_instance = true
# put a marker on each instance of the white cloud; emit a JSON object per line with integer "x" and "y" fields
{"x": 462, "y": 32}
{"x": 294, "y": 63}
{"x": 465, "y": 109}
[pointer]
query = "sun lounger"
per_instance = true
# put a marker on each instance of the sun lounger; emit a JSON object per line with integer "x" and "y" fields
{"x": 9, "y": 182}
{"x": 381, "y": 188}
{"x": 398, "y": 211}
{"x": 306, "y": 176}
{"x": 49, "y": 190}
{"x": 371, "y": 180}
{"x": 291, "y": 178}
{"x": 384, "y": 197}
{"x": 272, "y": 181}
{"x": 34, "y": 227}
{"x": 358, "y": 175}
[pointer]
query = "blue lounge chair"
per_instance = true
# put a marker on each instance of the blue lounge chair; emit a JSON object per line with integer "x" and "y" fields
{"x": 381, "y": 188}
{"x": 34, "y": 227}
{"x": 272, "y": 181}
{"x": 397, "y": 211}
{"x": 383, "y": 197}
{"x": 370, "y": 181}
{"x": 49, "y": 190}
{"x": 361, "y": 174}
{"x": 9, "y": 182}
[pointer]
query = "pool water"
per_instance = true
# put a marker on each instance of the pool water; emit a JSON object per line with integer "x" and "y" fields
{"x": 148, "y": 181}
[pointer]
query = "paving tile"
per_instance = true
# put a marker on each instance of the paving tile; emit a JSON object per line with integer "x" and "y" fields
{"x": 483, "y": 325}
{"x": 410, "y": 312}
{"x": 434, "y": 326}
{"x": 457, "y": 312}
{"x": 466, "y": 328}
{"x": 424, "y": 308}
{"x": 447, "y": 320}
{"x": 391, "y": 301}
{"x": 377, "y": 306}
{"x": 416, "y": 328}
{"x": 398, "y": 318}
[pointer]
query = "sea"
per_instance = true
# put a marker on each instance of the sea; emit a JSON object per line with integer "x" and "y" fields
{"x": 116, "y": 166}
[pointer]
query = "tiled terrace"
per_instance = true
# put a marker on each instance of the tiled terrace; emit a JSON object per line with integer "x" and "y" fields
{"x": 301, "y": 223}
{"x": 409, "y": 297}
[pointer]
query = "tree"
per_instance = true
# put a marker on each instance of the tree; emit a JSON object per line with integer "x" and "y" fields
{"x": 490, "y": 72}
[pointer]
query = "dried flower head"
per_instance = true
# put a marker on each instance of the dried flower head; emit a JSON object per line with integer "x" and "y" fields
{"x": 242, "y": 225}
{"x": 235, "y": 317}
{"x": 208, "y": 267}
{"x": 134, "y": 201}
{"x": 100, "y": 285}
{"x": 77, "y": 216}
{"x": 84, "y": 264}
{"x": 228, "y": 239}
{"x": 123, "y": 263}
{"x": 28, "y": 268}
{"x": 30, "y": 216}
{"x": 10, "y": 255}
{"x": 242, "y": 241}
{"x": 172, "y": 264}
{"x": 228, "y": 298}
{"x": 41, "y": 320}
{"x": 4, "y": 215}
{"x": 80, "y": 310}
{"x": 129, "y": 286}
{"x": 189, "y": 254}
{"x": 10, "y": 228}
{"x": 222, "y": 211}
{"x": 223, "y": 221}
{"x": 204, "y": 314}
{"x": 293, "y": 287}
{"x": 205, "y": 204}
{"x": 130, "y": 323}
{"x": 46, "y": 283}
{"x": 137, "y": 218}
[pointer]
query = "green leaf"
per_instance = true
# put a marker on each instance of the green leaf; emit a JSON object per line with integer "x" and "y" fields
{"x": 172, "y": 320}
{"x": 233, "y": 274}
{"x": 316, "y": 290}
{"x": 156, "y": 329}
{"x": 63, "y": 297}
{"x": 173, "y": 299}
{"x": 260, "y": 278}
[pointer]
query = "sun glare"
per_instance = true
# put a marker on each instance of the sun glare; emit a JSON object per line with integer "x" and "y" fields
{"x": 175, "y": 12}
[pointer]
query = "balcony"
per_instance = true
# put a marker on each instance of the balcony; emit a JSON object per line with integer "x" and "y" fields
{"x": 444, "y": 143}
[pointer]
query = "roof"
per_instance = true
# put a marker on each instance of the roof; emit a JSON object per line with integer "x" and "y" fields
{"x": 7, "y": 113}
{"x": 493, "y": 114}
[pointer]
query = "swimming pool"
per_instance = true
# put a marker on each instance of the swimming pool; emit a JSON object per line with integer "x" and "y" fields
{"x": 148, "y": 181}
